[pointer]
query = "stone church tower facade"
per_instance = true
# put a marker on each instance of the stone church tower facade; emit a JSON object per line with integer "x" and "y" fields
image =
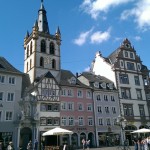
{"x": 42, "y": 49}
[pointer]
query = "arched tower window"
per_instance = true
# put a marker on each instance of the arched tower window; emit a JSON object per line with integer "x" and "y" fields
{"x": 42, "y": 62}
{"x": 53, "y": 64}
{"x": 43, "y": 46}
{"x": 27, "y": 51}
{"x": 30, "y": 63}
{"x": 30, "y": 48}
{"x": 52, "y": 48}
{"x": 27, "y": 67}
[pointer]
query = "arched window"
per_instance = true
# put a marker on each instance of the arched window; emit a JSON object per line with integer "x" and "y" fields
{"x": 27, "y": 51}
{"x": 53, "y": 64}
{"x": 30, "y": 63}
{"x": 43, "y": 46}
{"x": 31, "y": 48}
{"x": 27, "y": 67}
{"x": 52, "y": 48}
{"x": 42, "y": 62}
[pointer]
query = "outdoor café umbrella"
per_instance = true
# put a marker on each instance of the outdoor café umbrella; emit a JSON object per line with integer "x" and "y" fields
{"x": 57, "y": 131}
{"x": 143, "y": 130}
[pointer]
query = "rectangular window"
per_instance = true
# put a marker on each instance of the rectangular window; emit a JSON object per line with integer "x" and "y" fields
{"x": 71, "y": 121}
{"x": 80, "y": 94}
{"x": 1, "y": 96}
{"x": 128, "y": 110}
{"x": 0, "y": 115}
{"x": 130, "y": 66}
{"x": 108, "y": 122}
{"x": 43, "y": 107}
{"x": 70, "y": 93}
{"x": 100, "y": 121}
{"x": 63, "y": 121}
{"x": 9, "y": 116}
{"x": 88, "y": 94}
{"x": 141, "y": 110}
{"x": 89, "y": 107}
{"x": 11, "y": 80}
{"x": 56, "y": 121}
{"x": 114, "y": 110}
{"x": 107, "y": 110}
{"x": 42, "y": 121}
{"x": 139, "y": 94}
{"x": 63, "y": 106}
{"x": 10, "y": 97}
{"x": 115, "y": 121}
{"x": 123, "y": 79}
{"x": 136, "y": 79}
{"x": 70, "y": 106}
{"x": 49, "y": 107}
{"x": 112, "y": 98}
{"x": 49, "y": 121}
{"x": 2, "y": 79}
{"x": 63, "y": 92}
{"x": 125, "y": 93}
{"x": 105, "y": 98}
{"x": 90, "y": 121}
{"x": 80, "y": 107}
{"x": 99, "y": 109}
{"x": 80, "y": 121}
{"x": 98, "y": 97}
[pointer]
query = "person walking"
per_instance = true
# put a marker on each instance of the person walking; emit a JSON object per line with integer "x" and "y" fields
{"x": 10, "y": 146}
{"x": 88, "y": 144}
{"x": 83, "y": 143}
{"x": 135, "y": 144}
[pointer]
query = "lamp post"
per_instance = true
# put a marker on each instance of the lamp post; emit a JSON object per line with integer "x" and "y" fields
{"x": 120, "y": 121}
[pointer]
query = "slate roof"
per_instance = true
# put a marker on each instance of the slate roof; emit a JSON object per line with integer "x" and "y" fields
{"x": 5, "y": 66}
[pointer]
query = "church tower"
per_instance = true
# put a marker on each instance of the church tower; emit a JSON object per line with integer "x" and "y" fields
{"x": 42, "y": 49}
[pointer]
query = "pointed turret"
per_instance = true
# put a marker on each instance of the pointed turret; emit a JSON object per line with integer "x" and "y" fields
{"x": 25, "y": 38}
{"x": 42, "y": 19}
{"x": 58, "y": 36}
{"x": 35, "y": 30}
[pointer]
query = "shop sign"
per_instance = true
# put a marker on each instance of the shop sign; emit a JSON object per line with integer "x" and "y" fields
{"x": 81, "y": 129}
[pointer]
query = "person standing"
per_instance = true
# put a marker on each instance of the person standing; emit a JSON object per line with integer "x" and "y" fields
{"x": 35, "y": 144}
{"x": 83, "y": 143}
{"x": 29, "y": 146}
{"x": 135, "y": 144}
{"x": 10, "y": 146}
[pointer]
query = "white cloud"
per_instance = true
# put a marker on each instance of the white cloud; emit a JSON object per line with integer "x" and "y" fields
{"x": 137, "y": 38}
{"x": 82, "y": 37}
{"x": 95, "y": 7}
{"x": 99, "y": 37}
{"x": 87, "y": 69}
{"x": 141, "y": 12}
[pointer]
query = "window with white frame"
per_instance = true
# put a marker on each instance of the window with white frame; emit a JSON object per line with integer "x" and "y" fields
{"x": 106, "y": 97}
{"x": 2, "y": 79}
{"x": 49, "y": 121}
{"x": 80, "y": 106}
{"x": 70, "y": 121}
{"x": 139, "y": 93}
{"x": 89, "y": 94}
{"x": 10, "y": 96}
{"x": 90, "y": 121}
{"x": 0, "y": 115}
{"x": 49, "y": 107}
{"x": 63, "y": 106}
{"x": 42, "y": 121}
{"x": 89, "y": 107}
{"x": 1, "y": 96}
{"x": 63, "y": 92}
{"x": 70, "y": 106}
{"x": 124, "y": 78}
{"x": 63, "y": 121}
{"x": 98, "y": 97}
{"x": 70, "y": 93}
{"x": 56, "y": 121}
{"x": 11, "y": 80}
{"x": 108, "y": 121}
{"x": 80, "y": 93}
{"x": 112, "y": 98}
{"x": 130, "y": 66}
{"x": 99, "y": 109}
{"x": 106, "y": 109}
{"x": 114, "y": 110}
{"x": 100, "y": 121}
{"x": 114, "y": 121}
{"x": 128, "y": 109}
{"x": 141, "y": 110}
{"x": 125, "y": 93}
{"x": 80, "y": 121}
{"x": 9, "y": 115}
{"x": 137, "y": 80}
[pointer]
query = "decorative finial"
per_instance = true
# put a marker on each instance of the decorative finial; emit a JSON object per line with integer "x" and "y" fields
{"x": 41, "y": 1}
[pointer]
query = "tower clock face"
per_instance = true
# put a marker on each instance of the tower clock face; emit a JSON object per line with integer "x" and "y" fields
{"x": 47, "y": 60}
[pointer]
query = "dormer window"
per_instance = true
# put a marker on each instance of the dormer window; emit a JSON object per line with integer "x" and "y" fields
{"x": 73, "y": 80}
{"x": 103, "y": 85}
{"x": 126, "y": 54}
{"x": 131, "y": 55}
{"x": 96, "y": 84}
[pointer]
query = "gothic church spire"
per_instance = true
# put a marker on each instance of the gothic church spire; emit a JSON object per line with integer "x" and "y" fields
{"x": 42, "y": 19}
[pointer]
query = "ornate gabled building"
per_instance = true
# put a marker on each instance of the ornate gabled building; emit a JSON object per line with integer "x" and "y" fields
{"x": 124, "y": 67}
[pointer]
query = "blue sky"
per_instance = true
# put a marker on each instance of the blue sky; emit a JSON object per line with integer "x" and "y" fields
{"x": 86, "y": 26}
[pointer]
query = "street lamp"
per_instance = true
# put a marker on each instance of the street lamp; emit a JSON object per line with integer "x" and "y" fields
{"x": 120, "y": 121}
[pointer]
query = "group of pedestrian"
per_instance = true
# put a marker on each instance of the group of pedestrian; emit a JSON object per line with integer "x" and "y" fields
{"x": 86, "y": 144}
{"x": 142, "y": 143}
{"x": 30, "y": 147}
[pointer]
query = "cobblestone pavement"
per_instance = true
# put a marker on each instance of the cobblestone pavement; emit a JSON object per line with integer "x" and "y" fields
{"x": 107, "y": 148}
